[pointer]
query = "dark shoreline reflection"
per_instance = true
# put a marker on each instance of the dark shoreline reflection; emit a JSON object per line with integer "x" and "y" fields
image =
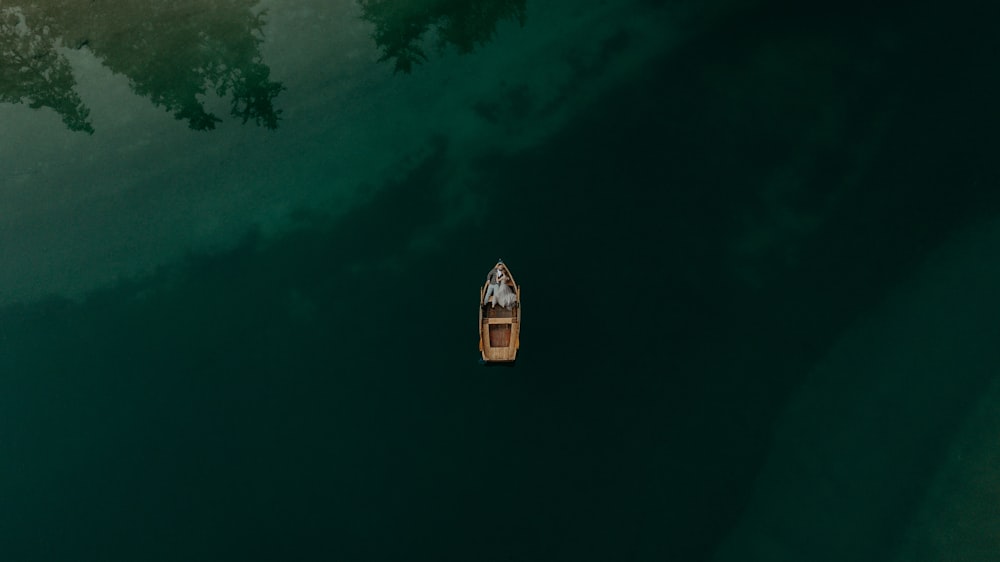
{"x": 400, "y": 25}
{"x": 171, "y": 52}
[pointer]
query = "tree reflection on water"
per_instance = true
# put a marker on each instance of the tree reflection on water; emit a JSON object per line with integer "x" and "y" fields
{"x": 172, "y": 52}
{"x": 400, "y": 25}
{"x": 31, "y": 71}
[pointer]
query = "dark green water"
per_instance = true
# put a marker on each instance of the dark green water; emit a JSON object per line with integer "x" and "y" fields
{"x": 757, "y": 248}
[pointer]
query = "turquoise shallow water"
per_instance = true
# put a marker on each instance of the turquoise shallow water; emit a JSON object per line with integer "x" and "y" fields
{"x": 754, "y": 247}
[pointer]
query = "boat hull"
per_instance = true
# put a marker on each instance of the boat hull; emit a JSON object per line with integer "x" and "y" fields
{"x": 499, "y": 329}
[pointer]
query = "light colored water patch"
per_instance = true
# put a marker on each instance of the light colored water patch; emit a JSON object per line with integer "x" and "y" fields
{"x": 854, "y": 449}
{"x": 959, "y": 519}
{"x": 78, "y": 211}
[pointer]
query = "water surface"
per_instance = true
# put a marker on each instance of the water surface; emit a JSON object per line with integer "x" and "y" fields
{"x": 241, "y": 244}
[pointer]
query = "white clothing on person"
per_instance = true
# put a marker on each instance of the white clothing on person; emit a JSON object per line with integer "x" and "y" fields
{"x": 501, "y": 292}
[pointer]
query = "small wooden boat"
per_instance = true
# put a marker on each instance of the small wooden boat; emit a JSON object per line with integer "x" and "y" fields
{"x": 499, "y": 327}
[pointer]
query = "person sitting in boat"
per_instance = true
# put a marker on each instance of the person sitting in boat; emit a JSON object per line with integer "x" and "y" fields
{"x": 501, "y": 288}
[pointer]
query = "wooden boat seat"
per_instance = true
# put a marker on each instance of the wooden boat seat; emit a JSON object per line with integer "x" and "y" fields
{"x": 500, "y": 320}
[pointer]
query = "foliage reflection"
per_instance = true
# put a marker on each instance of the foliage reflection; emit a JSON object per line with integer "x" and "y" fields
{"x": 400, "y": 25}
{"x": 171, "y": 52}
